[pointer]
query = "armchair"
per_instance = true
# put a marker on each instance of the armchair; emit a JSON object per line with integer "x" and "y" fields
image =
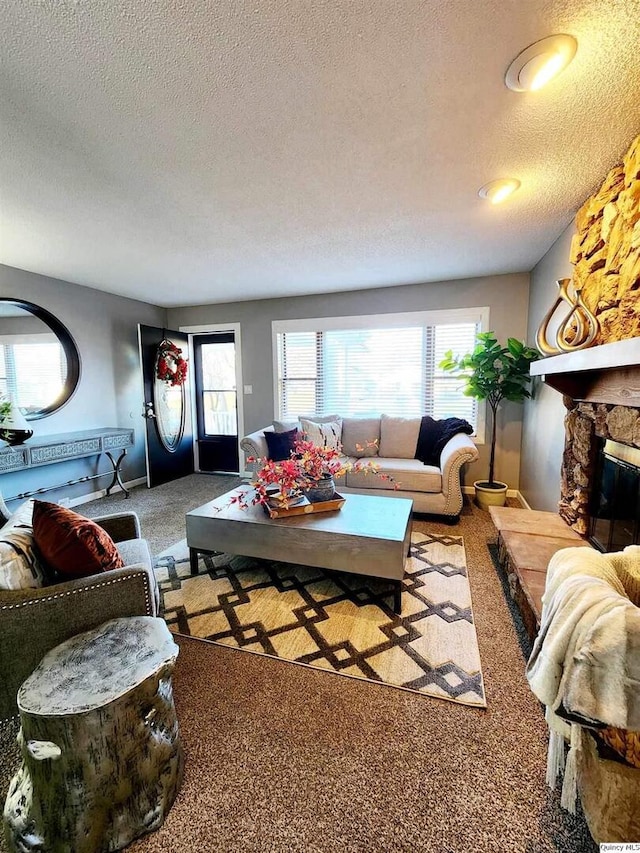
{"x": 33, "y": 621}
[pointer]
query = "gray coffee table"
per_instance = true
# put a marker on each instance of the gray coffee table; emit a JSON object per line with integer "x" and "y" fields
{"x": 370, "y": 535}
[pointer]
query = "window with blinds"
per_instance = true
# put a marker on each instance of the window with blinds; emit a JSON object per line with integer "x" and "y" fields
{"x": 27, "y": 366}
{"x": 377, "y": 367}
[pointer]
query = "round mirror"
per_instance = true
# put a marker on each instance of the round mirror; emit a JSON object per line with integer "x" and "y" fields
{"x": 39, "y": 360}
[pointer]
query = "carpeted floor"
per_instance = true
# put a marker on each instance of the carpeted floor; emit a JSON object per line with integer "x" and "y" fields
{"x": 161, "y": 510}
{"x": 286, "y": 758}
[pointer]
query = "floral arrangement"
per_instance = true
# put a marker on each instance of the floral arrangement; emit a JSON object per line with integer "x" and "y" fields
{"x": 171, "y": 367}
{"x": 307, "y": 464}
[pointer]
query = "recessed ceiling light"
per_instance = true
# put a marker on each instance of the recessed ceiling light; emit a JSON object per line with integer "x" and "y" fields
{"x": 497, "y": 191}
{"x": 540, "y": 62}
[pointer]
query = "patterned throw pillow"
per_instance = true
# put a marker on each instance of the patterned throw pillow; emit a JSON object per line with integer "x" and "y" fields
{"x": 19, "y": 565}
{"x": 72, "y": 545}
{"x": 323, "y": 435}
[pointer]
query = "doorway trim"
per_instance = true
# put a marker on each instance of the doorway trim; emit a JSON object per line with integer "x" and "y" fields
{"x": 193, "y": 331}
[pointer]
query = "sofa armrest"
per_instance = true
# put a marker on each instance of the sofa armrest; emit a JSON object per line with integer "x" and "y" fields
{"x": 459, "y": 450}
{"x": 33, "y": 621}
{"x": 120, "y": 526}
{"x": 255, "y": 444}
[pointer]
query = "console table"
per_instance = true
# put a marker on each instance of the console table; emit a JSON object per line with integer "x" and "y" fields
{"x": 67, "y": 446}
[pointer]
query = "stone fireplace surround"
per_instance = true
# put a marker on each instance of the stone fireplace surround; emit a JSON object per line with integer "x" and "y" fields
{"x": 601, "y": 392}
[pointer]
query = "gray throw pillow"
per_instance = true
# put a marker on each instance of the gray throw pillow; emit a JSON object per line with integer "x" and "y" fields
{"x": 398, "y": 437}
{"x": 360, "y": 437}
{"x": 287, "y": 426}
{"x": 284, "y": 426}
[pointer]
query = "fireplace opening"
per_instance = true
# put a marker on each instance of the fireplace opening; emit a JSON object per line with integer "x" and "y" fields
{"x": 615, "y": 497}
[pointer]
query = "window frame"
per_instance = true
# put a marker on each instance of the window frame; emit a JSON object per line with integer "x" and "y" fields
{"x": 433, "y": 317}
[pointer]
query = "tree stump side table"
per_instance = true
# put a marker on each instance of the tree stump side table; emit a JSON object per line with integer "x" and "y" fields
{"x": 102, "y": 759}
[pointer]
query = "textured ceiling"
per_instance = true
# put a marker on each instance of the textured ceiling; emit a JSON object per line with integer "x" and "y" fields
{"x": 184, "y": 152}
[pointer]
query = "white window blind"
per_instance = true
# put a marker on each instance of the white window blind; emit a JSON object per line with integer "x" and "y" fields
{"x": 374, "y": 367}
{"x": 4, "y": 388}
{"x": 31, "y": 367}
{"x": 298, "y": 374}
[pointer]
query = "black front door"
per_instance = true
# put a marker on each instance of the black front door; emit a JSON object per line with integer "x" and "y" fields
{"x": 216, "y": 401}
{"x": 167, "y": 410}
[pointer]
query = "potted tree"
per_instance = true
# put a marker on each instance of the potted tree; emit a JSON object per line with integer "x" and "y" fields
{"x": 493, "y": 373}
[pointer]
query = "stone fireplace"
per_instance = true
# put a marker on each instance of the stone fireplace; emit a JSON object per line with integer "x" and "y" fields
{"x": 615, "y": 497}
{"x": 601, "y": 385}
{"x": 601, "y": 392}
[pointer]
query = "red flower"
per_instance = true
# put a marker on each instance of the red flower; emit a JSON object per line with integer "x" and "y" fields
{"x": 308, "y": 462}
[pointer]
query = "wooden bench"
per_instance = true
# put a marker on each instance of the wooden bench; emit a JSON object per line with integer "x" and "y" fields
{"x": 527, "y": 539}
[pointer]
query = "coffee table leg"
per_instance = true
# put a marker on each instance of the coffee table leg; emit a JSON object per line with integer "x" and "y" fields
{"x": 397, "y": 598}
{"x": 193, "y": 560}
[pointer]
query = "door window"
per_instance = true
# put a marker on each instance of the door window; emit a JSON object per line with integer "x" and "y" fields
{"x": 219, "y": 388}
{"x": 216, "y": 401}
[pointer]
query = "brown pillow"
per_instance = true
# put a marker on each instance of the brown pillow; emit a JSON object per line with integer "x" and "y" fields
{"x": 70, "y": 544}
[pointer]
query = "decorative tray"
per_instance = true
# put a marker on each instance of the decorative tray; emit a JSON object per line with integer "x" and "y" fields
{"x": 274, "y": 510}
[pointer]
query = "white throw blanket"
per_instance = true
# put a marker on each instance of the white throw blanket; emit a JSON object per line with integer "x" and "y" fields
{"x": 585, "y": 661}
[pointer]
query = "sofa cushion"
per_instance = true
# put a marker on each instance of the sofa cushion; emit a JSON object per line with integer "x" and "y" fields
{"x": 407, "y": 475}
{"x": 328, "y": 434}
{"x": 360, "y": 436}
{"x": 72, "y": 545}
{"x": 19, "y": 564}
{"x": 280, "y": 444}
{"x": 398, "y": 437}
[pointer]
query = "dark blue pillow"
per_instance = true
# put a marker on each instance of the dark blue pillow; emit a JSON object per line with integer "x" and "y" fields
{"x": 280, "y": 444}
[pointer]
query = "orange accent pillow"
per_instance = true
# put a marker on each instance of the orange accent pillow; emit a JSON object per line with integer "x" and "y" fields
{"x": 72, "y": 545}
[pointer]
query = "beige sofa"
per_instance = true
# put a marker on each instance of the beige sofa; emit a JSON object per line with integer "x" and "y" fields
{"x": 391, "y": 442}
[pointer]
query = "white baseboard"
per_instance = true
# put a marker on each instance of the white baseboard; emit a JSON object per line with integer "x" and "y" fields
{"x": 93, "y": 496}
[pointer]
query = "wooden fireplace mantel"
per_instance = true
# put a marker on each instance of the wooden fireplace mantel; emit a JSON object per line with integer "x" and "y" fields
{"x": 609, "y": 373}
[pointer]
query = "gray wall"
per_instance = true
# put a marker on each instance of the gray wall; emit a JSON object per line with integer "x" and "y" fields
{"x": 507, "y": 297}
{"x": 104, "y": 328}
{"x": 543, "y": 429}
{"x": 24, "y": 325}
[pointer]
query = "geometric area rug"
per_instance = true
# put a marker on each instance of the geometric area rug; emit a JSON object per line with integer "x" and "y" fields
{"x": 337, "y": 621}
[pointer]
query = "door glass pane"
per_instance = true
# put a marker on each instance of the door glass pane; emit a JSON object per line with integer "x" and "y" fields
{"x": 170, "y": 413}
{"x": 219, "y": 388}
{"x": 220, "y": 412}
{"x": 219, "y": 367}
